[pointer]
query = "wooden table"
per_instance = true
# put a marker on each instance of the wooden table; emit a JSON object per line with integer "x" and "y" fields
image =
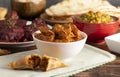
{"x": 111, "y": 69}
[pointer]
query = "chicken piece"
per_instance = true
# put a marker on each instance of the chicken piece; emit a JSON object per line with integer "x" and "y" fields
{"x": 46, "y": 34}
{"x": 49, "y": 63}
{"x": 76, "y": 32}
{"x": 57, "y": 28}
{"x": 60, "y": 33}
{"x": 63, "y": 36}
{"x": 49, "y": 36}
{"x": 68, "y": 29}
{"x": 44, "y": 29}
{"x": 43, "y": 37}
{"x": 28, "y": 62}
{"x": 63, "y": 32}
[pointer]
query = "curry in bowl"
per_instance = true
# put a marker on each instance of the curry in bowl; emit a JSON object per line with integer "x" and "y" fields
{"x": 59, "y": 33}
{"x": 96, "y": 25}
{"x": 95, "y": 17}
{"x": 62, "y": 41}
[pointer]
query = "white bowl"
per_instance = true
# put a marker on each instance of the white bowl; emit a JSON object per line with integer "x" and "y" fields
{"x": 113, "y": 42}
{"x": 60, "y": 50}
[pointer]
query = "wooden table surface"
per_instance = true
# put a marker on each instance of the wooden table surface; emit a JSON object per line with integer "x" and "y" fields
{"x": 111, "y": 69}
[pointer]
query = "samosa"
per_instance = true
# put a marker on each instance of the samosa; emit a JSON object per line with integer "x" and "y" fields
{"x": 49, "y": 63}
{"x": 28, "y": 62}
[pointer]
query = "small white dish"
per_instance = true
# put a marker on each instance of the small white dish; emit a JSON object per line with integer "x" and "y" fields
{"x": 18, "y": 44}
{"x": 113, "y": 42}
{"x": 90, "y": 57}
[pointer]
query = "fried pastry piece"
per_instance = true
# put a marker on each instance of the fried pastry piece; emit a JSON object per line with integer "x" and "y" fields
{"x": 4, "y": 52}
{"x": 28, "y": 62}
{"x": 58, "y": 29}
{"x": 66, "y": 32}
{"x": 46, "y": 34}
{"x": 49, "y": 63}
{"x": 46, "y": 38}
{"x": 69, "y": 30}
{"x": 44, "y": 29}
{"x": 62, "y": 32}
{"x": 76, "y": 32}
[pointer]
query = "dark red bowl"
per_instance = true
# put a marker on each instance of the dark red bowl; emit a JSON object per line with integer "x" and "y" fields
{"x": 97, "y": 32}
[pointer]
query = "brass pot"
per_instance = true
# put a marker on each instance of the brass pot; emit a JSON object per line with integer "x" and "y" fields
{"x": 28, "y": 9}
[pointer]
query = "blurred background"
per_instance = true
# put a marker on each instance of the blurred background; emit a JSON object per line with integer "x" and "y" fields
{"x": 115, "y": 2}
{"x": 7, "y": 2}
{"x": 50, "y": 2}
